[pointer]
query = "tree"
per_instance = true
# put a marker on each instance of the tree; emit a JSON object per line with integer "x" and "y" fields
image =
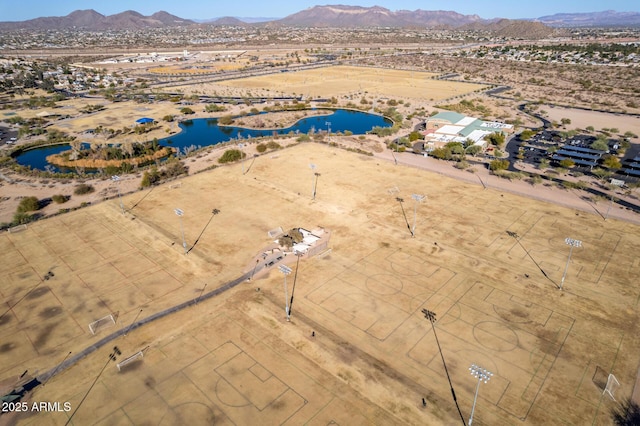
{"x": 187, "y": 111}
{"x": 473, "y": 149}
{"x": 414, "y": 136}
{"x": 496, "y": 138}
{"x": 611, "y": 162}
{"x": 526, "y": 134}
{"x": 150, "y": 177}
{"x": 496, "y": 165}
{"x": 456, "y": 148}
{"x": 567, "y": 163}
{"x": 565, "y": 121}
{"x": 441, "y": 154}
{"x": 600, "y": 145}
{"x": 602, "y": 173}
{"x": 28, "y": 204}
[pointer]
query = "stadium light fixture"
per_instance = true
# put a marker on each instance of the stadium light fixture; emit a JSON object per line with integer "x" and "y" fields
{"x": 572, "y": 243}
{"x": 483, "y": 375}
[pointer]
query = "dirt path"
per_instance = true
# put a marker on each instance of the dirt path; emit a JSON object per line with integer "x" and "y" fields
{"x": 481, "y": 176}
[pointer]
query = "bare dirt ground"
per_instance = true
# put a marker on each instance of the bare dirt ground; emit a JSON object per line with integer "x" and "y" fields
{"x": 234, "y": 359}
{"x": 581, "y": 119}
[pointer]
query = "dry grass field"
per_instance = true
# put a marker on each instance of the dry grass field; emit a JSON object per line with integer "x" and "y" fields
{"x": 346, "y": 80}
{"x": 233, "y": 359}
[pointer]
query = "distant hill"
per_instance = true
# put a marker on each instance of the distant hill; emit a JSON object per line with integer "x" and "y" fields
{"x": 608, "y": 18}
{"x": 227, "y": 21}
{"x": 337, "y": 16}
{"x": 243, "y": 20}
{"x": 92, "y": 20}
{"x": 509, "y": 28}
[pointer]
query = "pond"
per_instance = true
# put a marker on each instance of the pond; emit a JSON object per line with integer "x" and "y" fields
{"x": 206, "y": 131}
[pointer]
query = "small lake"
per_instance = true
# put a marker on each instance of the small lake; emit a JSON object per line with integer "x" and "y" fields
{"x": 206, "y": 131}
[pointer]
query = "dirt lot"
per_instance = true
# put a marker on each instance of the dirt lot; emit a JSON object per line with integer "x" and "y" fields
{"x": 234, "y": 358}
{"x": 373, "y": 83}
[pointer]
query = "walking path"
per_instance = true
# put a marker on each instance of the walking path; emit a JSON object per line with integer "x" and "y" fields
{"x": 481, "y": 176}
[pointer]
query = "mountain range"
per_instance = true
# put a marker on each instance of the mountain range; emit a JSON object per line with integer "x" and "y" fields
{"x": 335, "y": 16}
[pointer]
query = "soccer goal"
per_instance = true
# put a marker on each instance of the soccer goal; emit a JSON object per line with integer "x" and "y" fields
{"x": 175, "y": 185}
{"x": 103, "y": 322}
{"x": 612, "y": 385}
{"x": 129, "y": 360}
{"x": 18, "y": 228}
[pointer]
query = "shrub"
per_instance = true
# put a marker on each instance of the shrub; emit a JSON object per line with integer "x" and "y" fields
{"x": 83, "y": 189}
{"x": 28, "y": 204}
{"x": 150, "y": 177}
{"x": 526, "y": 134}
{"x": 261, "y": 148}
{"x": 225, "y": 120}
{"x": 231, "y": 155}
{"x": 59, "y": 199}
{"x": 273, "y": 145}
{"x": 575, "y": 185}
{"x": 187, "y": 111}
{"x": 22, "y": 217}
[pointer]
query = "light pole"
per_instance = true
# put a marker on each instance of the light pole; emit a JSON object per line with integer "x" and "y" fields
{"x": 116, "y": 179}
{"x": 112, "y": 357}
{"x": 418, "y": 198}
{"x": 328, "y": 123}
{"x": 314, "y": 187}
{"x": 573, "y": 243}
{"x": 401, "y": 200}
{"x": 431, "y": 316}
{"x": 180, "y": 213}
{"x": 295, "y": 278}
{"x": 483, "y": 375}
{"x": 285, "y": 271}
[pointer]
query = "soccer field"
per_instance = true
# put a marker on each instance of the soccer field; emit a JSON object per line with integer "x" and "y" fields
{"x": 488, "y": 264}
{"x": 350, "y": 80}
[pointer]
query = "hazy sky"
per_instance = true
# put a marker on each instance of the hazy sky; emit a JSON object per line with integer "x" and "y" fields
{"x": 20, "y": 10}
